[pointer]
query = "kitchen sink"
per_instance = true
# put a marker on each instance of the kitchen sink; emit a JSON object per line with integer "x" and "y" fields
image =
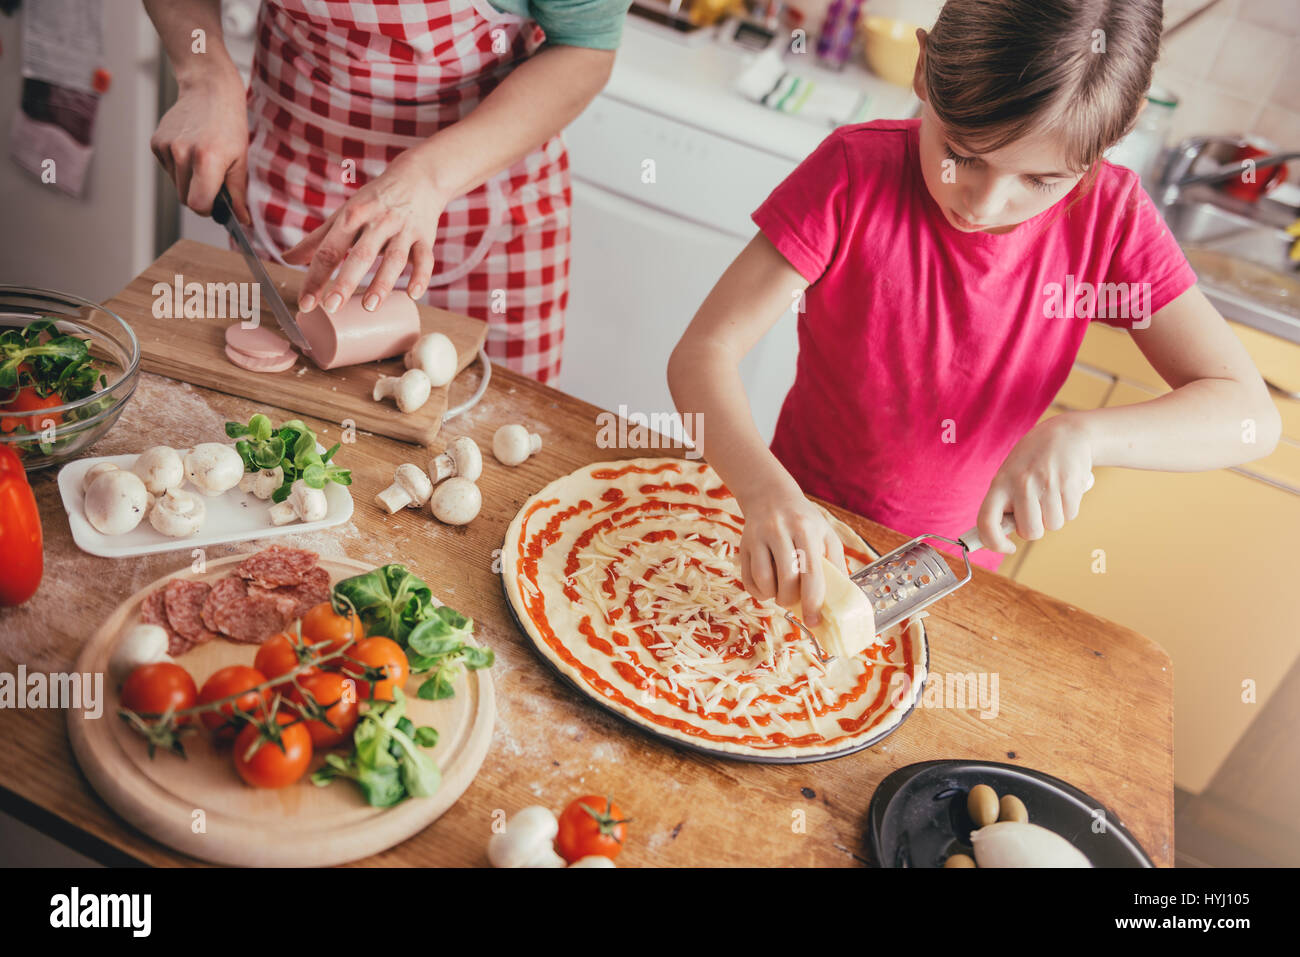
{"x": 1241, "y": 256}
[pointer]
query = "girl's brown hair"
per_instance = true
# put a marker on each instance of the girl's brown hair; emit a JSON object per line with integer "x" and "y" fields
{"x": 995, "y": 70}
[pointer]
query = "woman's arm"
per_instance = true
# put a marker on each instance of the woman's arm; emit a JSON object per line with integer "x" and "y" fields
{"x": 784, "y": 533}
{"x": 202, "y": 141}
{"x": 1218, "y": 414}
{"x": 396, "y": 215}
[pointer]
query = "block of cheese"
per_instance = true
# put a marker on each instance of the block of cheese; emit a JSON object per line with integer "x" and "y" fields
{"x": 848, "y": 625}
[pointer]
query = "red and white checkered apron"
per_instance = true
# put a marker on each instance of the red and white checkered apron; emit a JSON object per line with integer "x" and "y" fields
{"x": 340, "y": 88}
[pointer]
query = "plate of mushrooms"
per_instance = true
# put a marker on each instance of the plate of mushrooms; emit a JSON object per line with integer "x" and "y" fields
{"x": 167, "y": 499}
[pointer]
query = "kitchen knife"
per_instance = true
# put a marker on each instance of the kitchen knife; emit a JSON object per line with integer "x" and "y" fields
{"x": 223, "y": 212}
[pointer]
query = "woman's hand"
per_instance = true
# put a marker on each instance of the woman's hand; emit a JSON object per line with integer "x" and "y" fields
{"x": 785, "y": 536}
{"x": 202, "y": 142}
{"x": 394, "y": 216}
{"x": 1042, "y": 481}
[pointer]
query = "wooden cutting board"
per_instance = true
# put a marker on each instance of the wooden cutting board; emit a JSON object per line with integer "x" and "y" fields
{"x": 200, "y": 806}
{"x": 193, "y": 350}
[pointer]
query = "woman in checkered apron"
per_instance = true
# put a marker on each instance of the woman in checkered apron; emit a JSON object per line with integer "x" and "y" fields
{"x": 413, "y": 147}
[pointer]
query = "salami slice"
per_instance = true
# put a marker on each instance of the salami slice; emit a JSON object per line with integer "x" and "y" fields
{"x": 314, "y": 589}
{"x": 277, "y": 566}
{"x": 153, "y": 611}
{"x": 251, "y": 617}
{"x": 183, "y": 602}
{"x": 225, "y": 592}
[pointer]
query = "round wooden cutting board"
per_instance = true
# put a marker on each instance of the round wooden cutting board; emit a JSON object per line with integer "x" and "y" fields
{"x": 200, "y": 806}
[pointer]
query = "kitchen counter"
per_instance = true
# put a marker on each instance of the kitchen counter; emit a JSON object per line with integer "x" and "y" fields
{"x": 692, "y": 83}
{"x": 1081, "y": 698}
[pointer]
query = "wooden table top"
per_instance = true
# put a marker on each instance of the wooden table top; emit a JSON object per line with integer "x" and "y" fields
{"x": 1078, "y": 697}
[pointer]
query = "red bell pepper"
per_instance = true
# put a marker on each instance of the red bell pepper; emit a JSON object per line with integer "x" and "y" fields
{"x": 22, "y": 550}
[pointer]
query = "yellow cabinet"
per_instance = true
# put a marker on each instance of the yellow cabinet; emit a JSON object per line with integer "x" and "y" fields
{"x": 1203, "y": 563}
{"x": 1084, "y": 389}
{"x": 1113, "y": 351}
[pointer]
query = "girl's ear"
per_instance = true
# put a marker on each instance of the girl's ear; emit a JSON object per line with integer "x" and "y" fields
{"x": 918, "y": 77}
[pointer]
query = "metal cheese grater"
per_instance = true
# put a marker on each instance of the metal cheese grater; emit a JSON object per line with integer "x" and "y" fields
{"x": 910, "y": 578}
{"x": 914, "y": 576}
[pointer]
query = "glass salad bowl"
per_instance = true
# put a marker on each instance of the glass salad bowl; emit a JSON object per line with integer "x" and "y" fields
{"x": 53, "y": 434}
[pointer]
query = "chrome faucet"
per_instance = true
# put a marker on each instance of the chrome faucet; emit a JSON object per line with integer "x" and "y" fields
{"x": 1176, "y": 175}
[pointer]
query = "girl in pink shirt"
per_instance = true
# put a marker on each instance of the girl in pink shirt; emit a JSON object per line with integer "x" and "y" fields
{"x": 945, "y": 270}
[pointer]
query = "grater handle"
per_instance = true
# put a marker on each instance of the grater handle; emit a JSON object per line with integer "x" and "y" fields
{"x": 972, "y": 539}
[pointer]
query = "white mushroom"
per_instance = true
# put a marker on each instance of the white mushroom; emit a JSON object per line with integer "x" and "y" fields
{"x": 116, "y": 502}
{"x": 410, "y": 390}
{"x": 593, "y": 860}
{"x": 304, "y": 502}
{"x": 94, "y": 472}
{"x": 528, "y": 840}
{"x": 142, "y": 645}
{"x": 178, "y": 514}
{"x": 461, "y": 457}
{"x": 262, "y": 483}
{"x": 214, "y": 468}
{"x": 456, "y": 501}
{"x": 410, "y": 489}
{"x": 435, "y": 355}
{"x": 160, "y": 468}
{"x": 512, "y": 444}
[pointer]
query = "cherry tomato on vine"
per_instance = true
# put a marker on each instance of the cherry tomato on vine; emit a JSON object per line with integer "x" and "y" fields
{"x": 231, "y": 680}
{"x": 264, "y": 763}
{"x": 378, "y": 652}
{"x": 159, "y": 687}
{"x": 278, "y": 656}
{"x": 591, "y": 825}
{"x": 339, "y": 696}
{"x": 321, "y": 623}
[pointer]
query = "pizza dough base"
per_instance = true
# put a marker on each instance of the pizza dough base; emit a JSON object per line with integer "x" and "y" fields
{"x": 565, "y": 618}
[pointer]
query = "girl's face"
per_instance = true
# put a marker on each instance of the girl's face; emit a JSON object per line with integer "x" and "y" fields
{"x": 989, "y": 192}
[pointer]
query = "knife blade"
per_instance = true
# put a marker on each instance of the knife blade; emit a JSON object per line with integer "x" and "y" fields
{"x": 223, "y": 212}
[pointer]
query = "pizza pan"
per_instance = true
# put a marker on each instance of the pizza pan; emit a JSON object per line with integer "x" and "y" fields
{"x": 700, "y": 748}
{"x": 918, "y": 816}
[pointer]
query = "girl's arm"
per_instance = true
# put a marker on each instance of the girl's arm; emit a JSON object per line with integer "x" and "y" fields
{"x": 1218, "y": 414}
{"x": 784, "y": 532}
{"x": 396, "y": 215}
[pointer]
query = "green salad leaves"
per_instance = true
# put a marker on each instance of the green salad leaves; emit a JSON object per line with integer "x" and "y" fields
{"x": 52, "y": 363}
{"x": 394, "y": 602}
{"x": 388, "y": 762}
{"x": 292, "y": 447}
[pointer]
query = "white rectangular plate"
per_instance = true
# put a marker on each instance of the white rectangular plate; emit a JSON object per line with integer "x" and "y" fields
{"x": 234, "y": 516}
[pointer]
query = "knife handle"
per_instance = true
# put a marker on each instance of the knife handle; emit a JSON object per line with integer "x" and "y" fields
{"x": 222, "y": 210}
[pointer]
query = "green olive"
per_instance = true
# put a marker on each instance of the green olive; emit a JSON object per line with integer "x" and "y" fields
{"x": 1011, "y": 808}
{"x": 958, "y": 860}
{"x": 982, "y": 803}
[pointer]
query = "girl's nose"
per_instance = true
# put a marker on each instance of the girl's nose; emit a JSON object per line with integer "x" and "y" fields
{"x": 986, "y": 199}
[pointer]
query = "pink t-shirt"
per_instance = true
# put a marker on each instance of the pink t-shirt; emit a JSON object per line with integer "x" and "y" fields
{"x": 926, "y": 353}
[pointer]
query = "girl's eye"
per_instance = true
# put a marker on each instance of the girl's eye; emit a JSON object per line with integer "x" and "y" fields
{"x": 959, "y": 160}
{"x": 1042, "y": 184}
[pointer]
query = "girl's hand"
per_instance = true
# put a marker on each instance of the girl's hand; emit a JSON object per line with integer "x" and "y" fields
{"x": 1041, "y": 481}
{"x": 785, "y": 535}
{"x": 394, "y": 216}
{"x": 202, "y": 142}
